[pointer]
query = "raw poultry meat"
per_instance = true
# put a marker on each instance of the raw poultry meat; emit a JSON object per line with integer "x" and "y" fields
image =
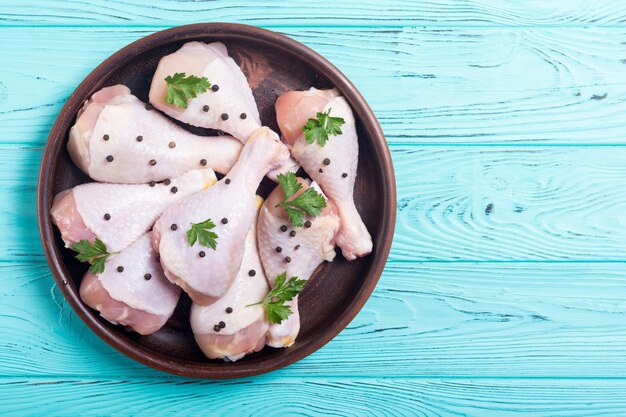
{"x": 132, "y": 290}
{"x": 206, "y": 273}
{"x": 118, "y": 214}
{"x": 228, "y": 105}
{"x": 296, "y": 251}
{"x": 332, "y": 166}
{"x": 117, "y": 138}
{"x": 227, "y": 328}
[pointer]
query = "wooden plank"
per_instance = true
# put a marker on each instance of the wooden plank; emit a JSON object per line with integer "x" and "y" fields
{"x": 454, "y": 203}
{"x": 314, "y": 397}
{"x": 323, "y": 12}
{"x": 462, "y": 85}
{"x": 19, "y": 168}
{"x": 423, "y": 320}
{"x": 550, "y": 203}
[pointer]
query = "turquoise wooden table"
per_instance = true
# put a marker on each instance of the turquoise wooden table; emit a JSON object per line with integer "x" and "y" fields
{"x": 505, "y": 290}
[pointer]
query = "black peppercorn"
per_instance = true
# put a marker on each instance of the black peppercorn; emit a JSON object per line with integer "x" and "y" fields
{"x": 172, "y": 145}
{"x": 283, "y": 228}
{"x": 167, "y": 181}
{"x": 152, "y": 183}
{"x": 252, "y": 272}
{"x": 224, "y": 116}
{"x": 174, "y": 227}
{"x": 120, "y": 269}
{"x": 224, "y": 220}
{"x": 107, "y": 216}
{"x": 149, "y": 106}
{"x": 174, "y": 190}
{"x": 217, "y": 328}
{"x": 344, "y": 175}
{"x": 105, "y": 137}
{"x": 110, "y": 158}
{"x": 279, "y": 249}
{"x": 147, "y": 277}
{"x": 203, "y": 162}
{"x": 153, "y": 162}
{"x": 292, "y": 233}
{"x": 201, "y": 254}
{"x": 222, "y": 324}
{"x": 287, "y": 259}
{"x": 321, "y": 170}
{"x": 205, "y": 108}
{"x": 139, "y": 138}
{"x": 227, "y": 181}
{"x": 307, "y": 224}
{"x": 215, "y": 87}
{"x": 243, "y": 116}
{"x": 296, "y": 247}
{"x": 326, "y": 161}
{"x": 229, "y": 310}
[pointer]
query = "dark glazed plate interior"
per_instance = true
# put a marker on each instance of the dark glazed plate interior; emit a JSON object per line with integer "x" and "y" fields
{"x": 273, "y": 64}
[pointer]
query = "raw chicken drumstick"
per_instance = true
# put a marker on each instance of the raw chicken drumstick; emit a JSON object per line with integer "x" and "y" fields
{"x": 296, "y": 251}
{"x": 118, "y": 214}
{"x": 333, "y": 166}
{"x": 119, "y": 139}
{"x": 228, "y": 328}
{"x": 228, "y": 105}
{"x": 132, "y": 290}
{"x": 203, "y": 264}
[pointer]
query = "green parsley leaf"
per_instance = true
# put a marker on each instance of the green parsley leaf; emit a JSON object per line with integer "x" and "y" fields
{"x": 290, "y": 184}
{"x": 95, "y": 253}
{"x": 202, "y": 233}
{"x": 277, "y": 311}
{"x": 274, "y": 301}
{"x": 181, "y": 89}
{"x": 322, "y": 127}
{"x": 309, "y": 202}
{"x": 296, "y": 217}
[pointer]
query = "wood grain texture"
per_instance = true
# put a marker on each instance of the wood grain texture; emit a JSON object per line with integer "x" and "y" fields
{"x": 391, "y": 397}
{"x": 424, "y": 320}
{"x": 322, "y": 13}
{"x": 428, "y": 86}
{"x": 469, "y": 203}
{"x": 454, "y": 203}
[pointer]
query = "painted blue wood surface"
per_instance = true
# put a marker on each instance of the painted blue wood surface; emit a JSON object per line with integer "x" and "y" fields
{"x": 505, "y": 289}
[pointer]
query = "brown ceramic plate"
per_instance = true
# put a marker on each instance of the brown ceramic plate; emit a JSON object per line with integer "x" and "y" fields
{"x": 273, "y": 64}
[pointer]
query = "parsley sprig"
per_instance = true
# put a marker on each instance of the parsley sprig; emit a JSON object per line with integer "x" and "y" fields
{"x": 322, "y": 127}
{"x": 284, "y": 290}
{"x": 309, "y": 202}
{"x": 181, "y": 89}
{"x": 95, "y": 253}
{"x": 202, "y": 232}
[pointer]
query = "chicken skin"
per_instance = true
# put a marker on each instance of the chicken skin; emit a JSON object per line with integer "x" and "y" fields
{"x": 333, "y": 166}
{"x": 132, "y": 291}
{"x": 118, "y": 214}
{"x": 119, "y": 139}
{"x": 228, "y": 105}
{"x": 305, "y": 248}
{"x": 205, "y": 272}
{"x": 244, "y": 325}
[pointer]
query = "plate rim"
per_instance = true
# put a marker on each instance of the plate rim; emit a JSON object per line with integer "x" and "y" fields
{"x": 54, "y": 146}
